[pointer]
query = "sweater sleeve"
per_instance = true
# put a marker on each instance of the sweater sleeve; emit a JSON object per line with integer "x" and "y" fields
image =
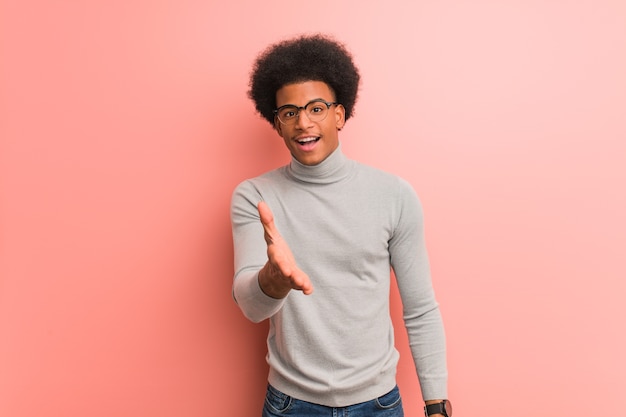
{"x": 422, "y": 317}
{"x": 250, "y": 254}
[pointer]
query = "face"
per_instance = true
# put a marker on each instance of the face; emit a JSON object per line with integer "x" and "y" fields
{"x": 310, "y": 142}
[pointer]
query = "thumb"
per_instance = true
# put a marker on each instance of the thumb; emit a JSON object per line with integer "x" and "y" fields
{"x": 267, "y": 220}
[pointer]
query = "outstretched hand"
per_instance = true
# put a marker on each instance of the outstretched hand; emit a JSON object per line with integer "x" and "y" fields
{"x": 281, "y": 273}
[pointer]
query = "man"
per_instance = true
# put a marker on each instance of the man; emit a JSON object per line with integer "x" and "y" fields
{"x": 314, "y": 243}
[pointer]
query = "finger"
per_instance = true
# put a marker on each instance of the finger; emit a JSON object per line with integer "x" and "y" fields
{"x": 300, "y": 281}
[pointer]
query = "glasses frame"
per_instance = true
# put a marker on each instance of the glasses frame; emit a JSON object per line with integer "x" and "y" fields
{"x": 300, "y": 108}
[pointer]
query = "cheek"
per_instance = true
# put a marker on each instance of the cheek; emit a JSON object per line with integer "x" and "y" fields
{"x": 280, "y": 130}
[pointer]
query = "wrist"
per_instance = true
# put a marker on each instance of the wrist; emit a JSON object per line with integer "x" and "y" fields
{"x": 268, "y": 284}
{"x": 438, "y": 408}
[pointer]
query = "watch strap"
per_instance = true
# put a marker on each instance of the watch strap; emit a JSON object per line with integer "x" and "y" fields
{"x": 437, "y": 408}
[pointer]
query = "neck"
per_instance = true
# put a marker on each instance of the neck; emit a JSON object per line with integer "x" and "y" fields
{"x": 332, "y": 169}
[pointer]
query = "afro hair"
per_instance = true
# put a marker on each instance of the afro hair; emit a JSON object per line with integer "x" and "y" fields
{"x": 306, "y": 58}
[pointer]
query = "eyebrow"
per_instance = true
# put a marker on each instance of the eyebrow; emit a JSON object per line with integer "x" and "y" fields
{"x": 307, "y": 103}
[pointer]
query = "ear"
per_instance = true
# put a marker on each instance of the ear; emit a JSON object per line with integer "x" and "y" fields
{"x": 340, "y": 116}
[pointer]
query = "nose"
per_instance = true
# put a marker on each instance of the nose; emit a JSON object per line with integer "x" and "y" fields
{"x": 302, "y": 119}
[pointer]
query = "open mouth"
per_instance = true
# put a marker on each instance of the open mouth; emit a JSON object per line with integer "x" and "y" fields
{"x": 309, "y": 140}
{"x": 307, "y": 144}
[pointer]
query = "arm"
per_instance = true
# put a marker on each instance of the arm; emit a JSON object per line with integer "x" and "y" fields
{"x": 422, "y": 317}
{"x": 254, "y": 273}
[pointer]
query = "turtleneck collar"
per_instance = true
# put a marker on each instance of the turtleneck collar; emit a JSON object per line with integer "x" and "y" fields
{"x": 332, "y": 169}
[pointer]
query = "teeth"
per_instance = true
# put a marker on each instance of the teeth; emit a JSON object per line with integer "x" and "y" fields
{"x": 306, "y": 140}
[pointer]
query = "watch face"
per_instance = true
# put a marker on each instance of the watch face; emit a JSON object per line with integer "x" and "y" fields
{"x": 448, "y": 406}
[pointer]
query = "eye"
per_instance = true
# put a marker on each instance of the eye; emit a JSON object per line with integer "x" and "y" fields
{"x": 288, "y": 113}
{"x": 317, "y": 108}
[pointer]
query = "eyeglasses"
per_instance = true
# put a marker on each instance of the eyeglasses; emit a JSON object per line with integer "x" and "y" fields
{"x": 316, "y": 111}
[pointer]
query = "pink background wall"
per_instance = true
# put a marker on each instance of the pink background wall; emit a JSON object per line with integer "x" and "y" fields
{"x": 125, "y": 126}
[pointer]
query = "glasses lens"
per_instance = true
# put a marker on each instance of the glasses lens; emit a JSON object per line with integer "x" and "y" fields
{"x": 287, "y": 114}
{"x": 316, "y": 111}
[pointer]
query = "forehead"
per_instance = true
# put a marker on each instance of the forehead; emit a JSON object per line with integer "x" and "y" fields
{"x": 303, "y": 92}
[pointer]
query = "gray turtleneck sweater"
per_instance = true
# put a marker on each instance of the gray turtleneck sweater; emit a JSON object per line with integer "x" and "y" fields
{"x": 347, "y": 225}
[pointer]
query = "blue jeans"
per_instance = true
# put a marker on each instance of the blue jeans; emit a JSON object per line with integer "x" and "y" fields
{"x": 278, "y": 404}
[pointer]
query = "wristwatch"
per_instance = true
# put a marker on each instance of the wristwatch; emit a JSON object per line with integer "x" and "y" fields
{"x": 444, "y": 408}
